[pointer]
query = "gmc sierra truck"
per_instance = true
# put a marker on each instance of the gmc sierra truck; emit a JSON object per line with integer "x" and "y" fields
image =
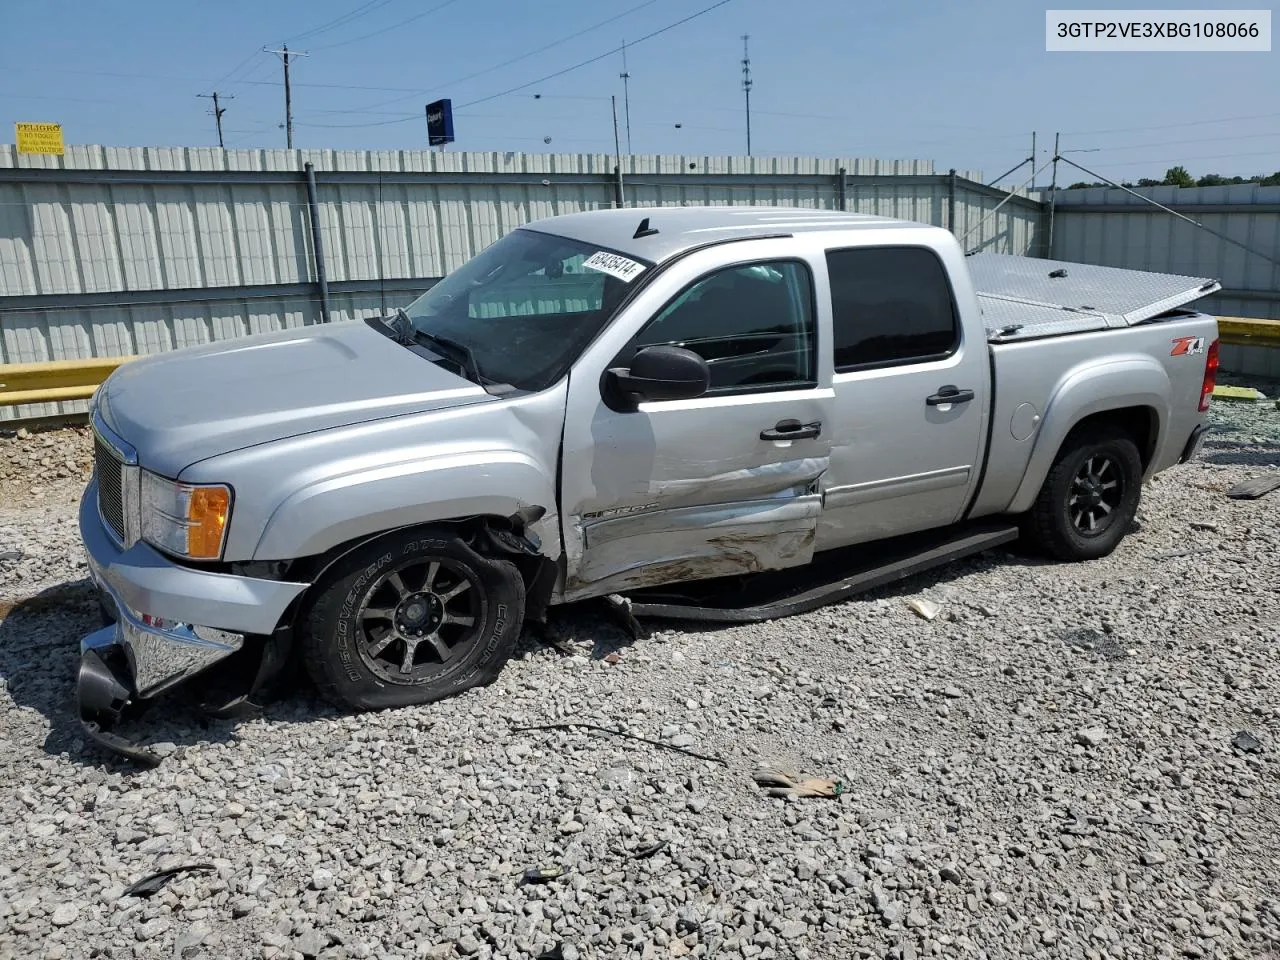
{"x": 609, "y": 403}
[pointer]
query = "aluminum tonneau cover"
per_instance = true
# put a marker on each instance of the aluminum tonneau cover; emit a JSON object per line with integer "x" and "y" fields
{"x": 1024, "y": 297}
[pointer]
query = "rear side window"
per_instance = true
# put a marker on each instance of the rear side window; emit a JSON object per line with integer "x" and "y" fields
{"x": 890, "y": 305}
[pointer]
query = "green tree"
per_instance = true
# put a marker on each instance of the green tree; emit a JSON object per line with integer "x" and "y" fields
{"x": 1178, "y": 177}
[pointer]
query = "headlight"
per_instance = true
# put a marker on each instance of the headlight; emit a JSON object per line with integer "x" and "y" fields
{"x": 189, "y": 520}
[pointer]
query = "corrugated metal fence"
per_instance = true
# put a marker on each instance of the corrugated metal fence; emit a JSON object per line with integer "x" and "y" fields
{"x": 1111, "y": 227}
{"x": 116, "y": 251}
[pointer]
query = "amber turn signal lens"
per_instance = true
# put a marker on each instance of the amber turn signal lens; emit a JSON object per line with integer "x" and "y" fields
{"x": 207, "y": 510}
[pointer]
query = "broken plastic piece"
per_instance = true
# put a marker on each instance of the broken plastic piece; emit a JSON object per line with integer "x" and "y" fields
{"x": 926, "y": 609}
{"x": 1247, "y": 742}
{"x": 640, "y": 853}
{"x": 151, "y": 884}
{"x": 1255, "y": 488}
{"x": 780, "y": 784}
{"x": 542, "y": 874}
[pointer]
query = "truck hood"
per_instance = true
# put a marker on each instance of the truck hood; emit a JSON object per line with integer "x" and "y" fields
{"x": 186, "y": 405}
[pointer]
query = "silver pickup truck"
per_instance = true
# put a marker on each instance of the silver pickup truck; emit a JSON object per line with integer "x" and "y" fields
{"x": 606, "y": 403}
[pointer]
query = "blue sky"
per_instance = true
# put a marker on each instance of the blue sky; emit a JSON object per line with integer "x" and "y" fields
{"x": 963, "y": 84}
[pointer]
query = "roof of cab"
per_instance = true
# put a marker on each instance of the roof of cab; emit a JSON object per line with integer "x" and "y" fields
{"x": 679, "y": 228}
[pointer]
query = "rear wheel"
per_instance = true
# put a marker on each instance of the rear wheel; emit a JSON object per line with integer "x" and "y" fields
{"x": 413, "y": 617}
{"x": 1090, "y": 497}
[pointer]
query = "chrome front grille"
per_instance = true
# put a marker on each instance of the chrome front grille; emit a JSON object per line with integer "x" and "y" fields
{"x": 110, "y": 487}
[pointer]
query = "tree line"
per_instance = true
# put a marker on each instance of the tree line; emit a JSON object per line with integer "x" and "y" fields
{"x": 1179, "y": 177}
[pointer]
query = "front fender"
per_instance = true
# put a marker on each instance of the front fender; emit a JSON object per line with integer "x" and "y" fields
{"x": 1124, "y": 381}
{"x": 339, "y": 509}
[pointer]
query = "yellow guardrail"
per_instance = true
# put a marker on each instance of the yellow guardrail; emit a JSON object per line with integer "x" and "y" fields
{"x": 1246, "y": 332}
{"x": 77, "y": 379}
{"x": 54, "y": 380}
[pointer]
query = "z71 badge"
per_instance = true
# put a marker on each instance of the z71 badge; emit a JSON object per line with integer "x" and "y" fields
{"x": 1187, "y": 346}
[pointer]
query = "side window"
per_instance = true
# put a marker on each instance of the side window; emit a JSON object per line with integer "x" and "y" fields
{"x": 753, "y": 324}
{"x": 890, "y": 305}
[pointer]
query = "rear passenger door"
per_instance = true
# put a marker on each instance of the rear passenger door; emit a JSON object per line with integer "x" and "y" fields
{"x": 910, "y": 396}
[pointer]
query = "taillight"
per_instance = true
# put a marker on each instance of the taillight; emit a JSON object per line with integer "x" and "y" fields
{"x": 1210, "y": 376}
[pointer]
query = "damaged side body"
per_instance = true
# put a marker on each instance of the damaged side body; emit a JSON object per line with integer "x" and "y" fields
{"x": 589, "y": 407}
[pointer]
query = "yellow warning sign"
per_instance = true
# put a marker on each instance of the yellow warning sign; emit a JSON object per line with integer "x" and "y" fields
{"x": 40, "y": 138}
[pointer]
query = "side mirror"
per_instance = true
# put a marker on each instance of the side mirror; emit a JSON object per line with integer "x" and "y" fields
{"x": 658, "y": 373}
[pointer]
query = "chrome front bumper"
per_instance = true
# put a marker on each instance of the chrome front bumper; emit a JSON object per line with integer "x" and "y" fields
{"x": 160, "y": 636}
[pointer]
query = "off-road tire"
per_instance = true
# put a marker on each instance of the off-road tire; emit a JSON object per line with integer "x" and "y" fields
{"x": 338, "y": 636}
{"x": 1054, "y": 525}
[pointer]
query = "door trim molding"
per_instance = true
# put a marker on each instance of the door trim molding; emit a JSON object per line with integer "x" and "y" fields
{"x": 853, "y": 494}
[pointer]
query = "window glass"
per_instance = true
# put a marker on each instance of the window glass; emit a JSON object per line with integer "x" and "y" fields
{"x": 890, "y": 305}
{"x": 525, "y": 307}
{"x": 753, "y": 324}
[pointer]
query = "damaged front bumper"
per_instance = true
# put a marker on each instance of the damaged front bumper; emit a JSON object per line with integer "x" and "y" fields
{"x": 161, "y": 635}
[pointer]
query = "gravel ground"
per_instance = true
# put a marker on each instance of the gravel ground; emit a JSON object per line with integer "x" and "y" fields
{"x": 1052, "y": 768}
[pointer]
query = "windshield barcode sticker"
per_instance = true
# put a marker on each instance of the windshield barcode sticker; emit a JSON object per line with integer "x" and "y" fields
{"x": 614, "y": 265}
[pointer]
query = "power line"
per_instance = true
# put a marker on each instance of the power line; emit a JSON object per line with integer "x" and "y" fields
{"x": 360, "y": 11}
{"x": 394, "y": 26}
{"x": 523, "y": 56}
{"x": 1165, "y": 126}
{"x": 596, "y": 59}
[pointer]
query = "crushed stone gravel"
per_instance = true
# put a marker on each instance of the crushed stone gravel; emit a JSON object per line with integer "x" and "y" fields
{"x": 1069, "y": 761}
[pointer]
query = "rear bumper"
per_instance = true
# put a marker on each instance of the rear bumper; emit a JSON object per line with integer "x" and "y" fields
{"x": 171, "y": 621}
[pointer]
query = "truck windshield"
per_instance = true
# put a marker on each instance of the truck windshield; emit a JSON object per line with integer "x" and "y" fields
{"x": 527, "y": 305}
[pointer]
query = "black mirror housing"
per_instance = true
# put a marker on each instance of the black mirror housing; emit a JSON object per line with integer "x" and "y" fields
{"x": 658, "y": 373}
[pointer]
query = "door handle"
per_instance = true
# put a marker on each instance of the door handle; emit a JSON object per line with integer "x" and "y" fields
{"x": 949, "y": 394}
{"x": 792, "y": 430}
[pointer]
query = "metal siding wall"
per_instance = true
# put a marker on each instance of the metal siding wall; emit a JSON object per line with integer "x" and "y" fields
{"x": 1140, "y": 236}
{"x": 1145, "y": 238}
{"x": 145, "y": 234}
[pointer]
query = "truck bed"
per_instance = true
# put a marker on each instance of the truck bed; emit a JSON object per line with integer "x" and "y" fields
{"x": 1024, "y": 298}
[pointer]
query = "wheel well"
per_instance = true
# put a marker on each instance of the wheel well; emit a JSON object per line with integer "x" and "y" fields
{"x": 1141, "y": 423}
{"x": 537, "y": 571}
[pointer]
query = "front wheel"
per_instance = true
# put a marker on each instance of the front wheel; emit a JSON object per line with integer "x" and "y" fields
{"x": 1090, "y": 497}
{"x": 413, "y": 617}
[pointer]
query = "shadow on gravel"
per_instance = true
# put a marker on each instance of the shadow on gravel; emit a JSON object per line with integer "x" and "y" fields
{"x": 40, "y": 657}
{"x": 39, "y": 660}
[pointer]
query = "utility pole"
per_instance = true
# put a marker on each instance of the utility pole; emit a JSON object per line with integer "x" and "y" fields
{"x": 285, "y": 54}
{"x": 1033, "y": 160}
{"x": 1053, "y": 196}
{"x": 626, "y": 94}
{"x": 746, "y": 85}
{"x": 617, "y": 153}
{"x": 217, "y": 110}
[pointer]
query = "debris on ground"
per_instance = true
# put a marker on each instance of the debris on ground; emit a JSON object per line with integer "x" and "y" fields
{"x": 542, "y": 874}
{"x": 780, "y": 783}
{"x": 1246, "y": 742}
{"x": 1205, "y": 525}
{"x": 1255, "y": 488}
{"x": 1184, "y": 552}
{"x": 923, "y": 608}
{"x": 152, "y": 883}
{"x": 678, "y": 748}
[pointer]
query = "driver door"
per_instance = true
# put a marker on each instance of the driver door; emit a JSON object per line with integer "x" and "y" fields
{"x": 726, "y": 483}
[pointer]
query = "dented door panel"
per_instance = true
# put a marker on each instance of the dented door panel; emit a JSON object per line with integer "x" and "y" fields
{"x": 689, "y": 489}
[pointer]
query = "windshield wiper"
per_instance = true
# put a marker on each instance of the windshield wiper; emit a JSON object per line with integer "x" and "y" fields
{"x": 401, "y": 329}
{"x": 459, "y": 353}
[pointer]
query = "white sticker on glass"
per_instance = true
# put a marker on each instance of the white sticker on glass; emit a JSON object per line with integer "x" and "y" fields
{"x": 614, "y": 265}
